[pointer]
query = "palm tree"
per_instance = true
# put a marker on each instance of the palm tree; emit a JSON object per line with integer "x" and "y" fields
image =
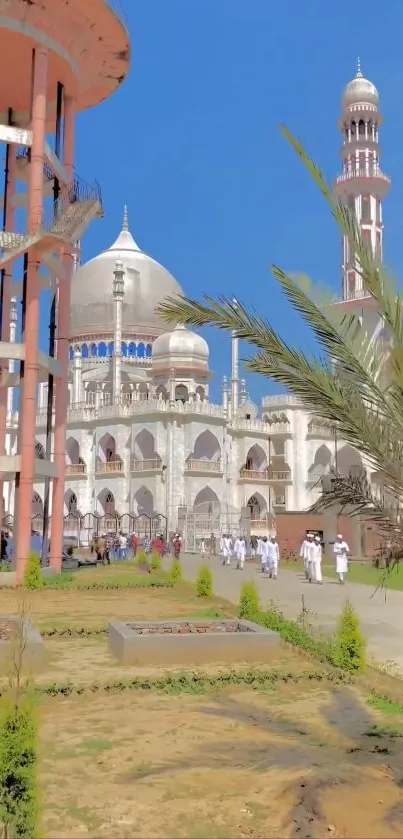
{"x": 354, "y": 382}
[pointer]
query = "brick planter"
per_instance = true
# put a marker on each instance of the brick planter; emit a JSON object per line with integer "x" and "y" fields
{"x": 191, "y": 642}
{"x": 33, "y": 654}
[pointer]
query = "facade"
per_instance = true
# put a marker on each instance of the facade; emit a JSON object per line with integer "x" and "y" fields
{"x": 56, "y": 59}
{"x": 146, "y": 450}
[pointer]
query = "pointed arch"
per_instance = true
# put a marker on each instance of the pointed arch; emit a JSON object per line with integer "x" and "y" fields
{"x": 349, "y": 461}
{"x": 257, "y": 506}
{"x": 39, "y": 450}
{"x": 256, "y": 458}
{"x": 144, "y": 445}
{"x": 72, "y": 451}
{"x": 107, "y": 448}
{"x": 207, "y": 502}
{"x": 106, "y": 499}
{"x": 37, "y": 505}
{"x": 181, "y": 393}
{"x": 207, "y": 447}
{"x": 321, "y": 464}
{"x": 70, "y": 503}
{"x": 143, "y": 502}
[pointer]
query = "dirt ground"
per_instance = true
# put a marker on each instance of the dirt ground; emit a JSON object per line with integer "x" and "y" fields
{"x": 294, "y": 761}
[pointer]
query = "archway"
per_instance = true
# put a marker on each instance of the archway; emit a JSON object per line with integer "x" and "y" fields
{"x": 206, "y": 447}
{"x": 256, "y": 459}
{"x": 143, "y": 502}
{"x": 144, "y": 446}
{"x": 181, "y": 393}
{"x": 321, "y": 463}
{"x": 72, "y": 451}
{"x": 207, "y": 502}
{"x": 257, "y": 507}
{"x": 107, "y": 449}
{"x": 70, "y": 503}
{"x": 106, "y": 499}
{"x": 161, "y": 393}
{"x": 39, "y": 451}
{"x": 349, "y": 462}
{"x": 37, "y": 505}
{"x": 200, "y": 393}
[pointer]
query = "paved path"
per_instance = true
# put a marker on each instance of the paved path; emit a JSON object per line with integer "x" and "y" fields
{"x": 382, "y": 619}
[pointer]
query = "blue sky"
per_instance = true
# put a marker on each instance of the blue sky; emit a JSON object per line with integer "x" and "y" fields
{"x": 191, "y": 143}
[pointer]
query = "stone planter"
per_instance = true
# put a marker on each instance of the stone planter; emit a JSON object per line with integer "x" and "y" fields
{"x": 191, "y": 642}
{"x": 33, "y": 653}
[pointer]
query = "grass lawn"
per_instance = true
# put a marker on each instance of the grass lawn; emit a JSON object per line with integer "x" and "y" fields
{"x": 358, "y": 573}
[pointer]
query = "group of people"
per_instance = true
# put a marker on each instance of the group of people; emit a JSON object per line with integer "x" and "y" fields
{"x": 311, "y": 553}
{"x": 267, "y": 549}
{"x": 112, "y": 546}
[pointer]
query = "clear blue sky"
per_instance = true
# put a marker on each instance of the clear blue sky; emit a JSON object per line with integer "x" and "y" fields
{"x": 191, "y": 143}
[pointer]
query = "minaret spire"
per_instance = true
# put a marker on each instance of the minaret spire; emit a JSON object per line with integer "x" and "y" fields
{"x": 362, "y": 185}
{"x": 125, "y": 225}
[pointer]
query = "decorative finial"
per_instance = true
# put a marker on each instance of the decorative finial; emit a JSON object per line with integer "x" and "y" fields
{"x": 125, "y": 225}
{"x": 358, "y": 74}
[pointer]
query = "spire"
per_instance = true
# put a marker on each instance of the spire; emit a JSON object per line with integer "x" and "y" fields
{"x": 358, "y": 74}
{"x": 125, "y": 241}
{"x": 125, "y": 225}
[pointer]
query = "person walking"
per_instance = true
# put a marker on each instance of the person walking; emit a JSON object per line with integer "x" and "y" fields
{"x": 227, "y": 550}
{"x": 264, "y": 548}
{"x": 253, "y": 545}
{"x": 241, "y": 552}
{"x": 318, "y": 560}
{"x": 341, "y": 551}
{"x": 273, "y": 557}
{"x": 307, "y": 554}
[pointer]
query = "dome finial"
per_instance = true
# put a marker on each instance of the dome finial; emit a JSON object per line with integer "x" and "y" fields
{"x": 358, "y": 73}
{"x": 125, "y": 225}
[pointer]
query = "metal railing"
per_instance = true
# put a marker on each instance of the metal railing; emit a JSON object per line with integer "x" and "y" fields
{"x": 148, "y": 465}
{"x": 194, "y": 464}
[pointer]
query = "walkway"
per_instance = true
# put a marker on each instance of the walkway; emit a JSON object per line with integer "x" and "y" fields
{"x": 381, "y": 612}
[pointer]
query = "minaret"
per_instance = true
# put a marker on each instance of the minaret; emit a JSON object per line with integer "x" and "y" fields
{"x": 235, "y": 370}
{"x": 225, "y": 394}
{"x": 77, "y": 377}
{"x": 244, "y": 394}
{"x": 362, "y": 184}
{"x": 118, "y": 294}
{"x": 11, "y": 363}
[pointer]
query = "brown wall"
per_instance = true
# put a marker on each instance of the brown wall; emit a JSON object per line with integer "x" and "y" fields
{"x": 361, "y": 536}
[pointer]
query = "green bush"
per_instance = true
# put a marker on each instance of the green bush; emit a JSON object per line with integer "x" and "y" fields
{"x": 141, "y": 558}
{"x": 350, "y": 647}
{"x": 293, "y": 633}
{"x": 156, "y": 561}
{"x": 175, "y": 571}
{"x": 18, "y": 761}
{"x": 33, "y": 572}
{"x": 249, "y": 602}
{"x": 204, "y": 582}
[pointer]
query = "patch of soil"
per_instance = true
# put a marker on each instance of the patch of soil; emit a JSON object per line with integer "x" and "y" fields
{"x": 7, "y": 629}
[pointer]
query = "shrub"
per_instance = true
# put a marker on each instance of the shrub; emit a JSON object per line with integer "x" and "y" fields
{"x": 175, "y": 571}
{"x": 156, "y": 561}
{"x": 33, "y": 572}
{"x": 18, "y": 801}
{"x": 349, "y": 651}
{"x": 204, "y": 582}
{"x": 249, "y": 602}
{"x": 141, "y": 558}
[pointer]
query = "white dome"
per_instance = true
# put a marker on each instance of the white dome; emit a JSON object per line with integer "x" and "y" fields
{"x": 181, "y": 347}
{"x": 146, "y": 283}
{"x": 360, "y": 91}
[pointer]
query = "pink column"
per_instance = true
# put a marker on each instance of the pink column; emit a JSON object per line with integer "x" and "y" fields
{"x": 27, "y": 423}
{"x": 63, "y": 335}
{"x": 6, "y": 309}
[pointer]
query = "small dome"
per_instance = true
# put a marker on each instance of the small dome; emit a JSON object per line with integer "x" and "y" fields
{"x": 360, "y": 91}
{"x": 180, "y": 347}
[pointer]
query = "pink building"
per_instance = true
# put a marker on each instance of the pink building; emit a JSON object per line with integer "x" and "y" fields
{"x": 56, "y": 59}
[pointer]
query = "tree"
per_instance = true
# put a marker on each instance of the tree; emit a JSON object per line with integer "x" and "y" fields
{"x": 353, "y": 383}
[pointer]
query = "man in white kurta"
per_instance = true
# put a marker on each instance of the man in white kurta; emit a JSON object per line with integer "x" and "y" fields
{"x": 341, "y": 550}
{"x": 306, "y": 553}
{"x": 240, "y": 553}
{"x": 318, "y": 560}
{"x": 273, "y": 556}
{"x": 227, "y": 550}
{"x": 265, "y": 554}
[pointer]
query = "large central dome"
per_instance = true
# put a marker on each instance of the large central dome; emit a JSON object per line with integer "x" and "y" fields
{"x": 146, "y": 284}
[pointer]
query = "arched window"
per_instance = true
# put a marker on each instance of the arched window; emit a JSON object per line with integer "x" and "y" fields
{"x": 84, "y": 351}
{"x": 109, "y": 504}
{"x": 141, "y": 350}
{"x": 72, "y": 503}
{"x": 111, "y": 348}
{"x": 93, "y": 350}
{"x": 149, "y": 351}
{"x": 71, "y": 353}
{"x": 102, "y": 349}
{"x": 39, "y": 451}
{"x": 124, "y": 349}
{"x": 132, "y": 349}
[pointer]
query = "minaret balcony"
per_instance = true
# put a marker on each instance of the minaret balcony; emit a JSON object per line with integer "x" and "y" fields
{"x": 368, "y": 178}
{"x": 203, "y": 467}
{"x": 148, "y": 466}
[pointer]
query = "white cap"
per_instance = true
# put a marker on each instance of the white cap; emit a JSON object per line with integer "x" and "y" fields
{"x": 339, "y": 535}
{"x": 317, "y": 538}
{"x": 310, "y": 535}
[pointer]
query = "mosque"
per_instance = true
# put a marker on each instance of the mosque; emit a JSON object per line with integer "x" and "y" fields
{"x": 146, "y": 449}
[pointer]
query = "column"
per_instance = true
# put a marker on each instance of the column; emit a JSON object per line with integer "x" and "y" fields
{"x": 6, "y": 303}
{"x": 118, "y": 292}
{"x": 27, "y": 424}
{"x": 77, "y": 373}
{"x": 225, "y": 395}
{"x": 235, "y": 373}
{"x": 63, "y": 336}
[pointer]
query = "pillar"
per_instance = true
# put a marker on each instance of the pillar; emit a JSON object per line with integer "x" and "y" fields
{"x": 118, "y": 292}
{"x": 6, "y": 306}
{"x": 11, "y": 363}
{"x": 63, "y": 337}
{"x": 235, "y": 374}
{"x": 27, "y": 424}
{"x": 77, "y": 378}
{"x": 225, "y": 395}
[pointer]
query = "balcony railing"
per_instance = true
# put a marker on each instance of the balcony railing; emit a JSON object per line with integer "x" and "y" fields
{"x": 153, "y": 464}
{"x": 77, "y": 470}
{"x": 280, "y": 474}
{"x": 259, "y": 524}
{"x": 278, "y": 428}
{"x": 255, "y": 475}
{"x": 315, "y": 429}
{"x": 193, "y": 464}
{"x": 111, "y": 466}
{"x": 366, "y": 172}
